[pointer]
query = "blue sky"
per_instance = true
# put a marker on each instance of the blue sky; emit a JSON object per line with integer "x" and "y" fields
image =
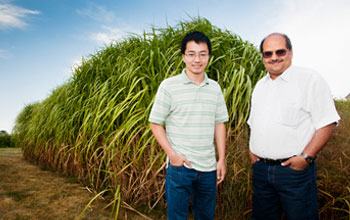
{"x": 42, "y": 40}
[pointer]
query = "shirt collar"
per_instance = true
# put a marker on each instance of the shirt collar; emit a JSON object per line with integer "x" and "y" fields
{"x": 186, "y": 80}
{"x": 285, "y": 76}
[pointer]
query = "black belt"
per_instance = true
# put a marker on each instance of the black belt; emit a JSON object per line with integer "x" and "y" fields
{"x": 272, "y": 162}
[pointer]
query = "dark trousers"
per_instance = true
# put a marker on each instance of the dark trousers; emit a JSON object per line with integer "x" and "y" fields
{"x": 181, "y": 183}
{"x": 277, "y": 189}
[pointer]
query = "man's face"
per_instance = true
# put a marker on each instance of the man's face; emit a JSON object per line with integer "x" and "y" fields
{"x": 281, "y": 57}
{"x": 196, "y": 57}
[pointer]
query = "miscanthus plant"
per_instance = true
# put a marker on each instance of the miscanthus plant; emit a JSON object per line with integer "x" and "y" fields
{"x": 95, "y": 126}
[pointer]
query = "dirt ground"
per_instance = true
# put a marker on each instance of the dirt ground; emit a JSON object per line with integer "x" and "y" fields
{"x": 30, "y": 193}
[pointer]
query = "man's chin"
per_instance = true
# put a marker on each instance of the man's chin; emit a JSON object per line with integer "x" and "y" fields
{"x": 198, "y": 71}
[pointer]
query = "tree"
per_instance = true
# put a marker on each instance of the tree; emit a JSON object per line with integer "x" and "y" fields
{"x": 5, "y": 139}
{"x": 3, "y": 132}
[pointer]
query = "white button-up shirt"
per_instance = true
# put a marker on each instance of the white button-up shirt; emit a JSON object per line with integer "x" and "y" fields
{"x": 286, "y": 112}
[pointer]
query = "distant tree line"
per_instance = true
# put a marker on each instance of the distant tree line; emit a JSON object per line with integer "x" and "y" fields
{"x": 5, "y": 139}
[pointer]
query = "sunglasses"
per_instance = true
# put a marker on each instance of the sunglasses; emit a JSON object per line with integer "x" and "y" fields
{"x": 279, "y": 53}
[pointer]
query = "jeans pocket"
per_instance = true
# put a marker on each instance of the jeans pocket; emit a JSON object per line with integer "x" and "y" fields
{"x": 256, "y": 163}
{"x": 175, "y": 167}
{"x": 296, "y": 171}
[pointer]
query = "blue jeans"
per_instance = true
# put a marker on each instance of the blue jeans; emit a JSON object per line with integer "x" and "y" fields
{"x": 277, "y": 189}
{"x": 180, "y": 184}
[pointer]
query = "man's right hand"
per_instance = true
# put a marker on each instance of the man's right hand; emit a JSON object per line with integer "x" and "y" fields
{"x": 178, "y": 160}
{"x": 175, "y": 159}
{"x": 253, "y": 157}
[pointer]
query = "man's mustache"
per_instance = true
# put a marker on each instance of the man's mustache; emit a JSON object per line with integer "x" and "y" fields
{"x": 276, "y": 61}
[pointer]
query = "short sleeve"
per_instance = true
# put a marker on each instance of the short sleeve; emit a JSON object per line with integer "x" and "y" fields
{"x": 321, "y": 104}
{"x": 161, "y": 105}
{"x": 250, "y": 118}
{"x": 221, "y": 114}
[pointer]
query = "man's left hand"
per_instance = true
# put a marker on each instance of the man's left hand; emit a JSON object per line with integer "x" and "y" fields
{"x": 296, "y": 163}
{"x": 220, "y": 171}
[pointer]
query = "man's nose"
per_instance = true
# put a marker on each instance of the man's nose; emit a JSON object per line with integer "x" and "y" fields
{"x": 274, "y": 56}
{"x": 197, "y": 58}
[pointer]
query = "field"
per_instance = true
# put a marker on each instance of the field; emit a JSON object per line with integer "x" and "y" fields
{"x": 95, "y": 126}
{"x": 30, "y": 192}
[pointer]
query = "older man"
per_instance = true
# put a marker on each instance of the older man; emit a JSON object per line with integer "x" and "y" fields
{"x": 292, "y": 117}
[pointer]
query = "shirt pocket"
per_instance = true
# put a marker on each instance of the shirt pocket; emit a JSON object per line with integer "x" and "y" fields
{"x": 287, "y": 114}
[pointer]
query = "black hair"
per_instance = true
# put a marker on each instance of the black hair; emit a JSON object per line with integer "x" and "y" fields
{"x": 197, "y": 37}
{"x": 288, "y": 42}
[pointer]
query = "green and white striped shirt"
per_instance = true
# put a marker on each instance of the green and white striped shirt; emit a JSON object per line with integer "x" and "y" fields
{"x": 190, "y": 112}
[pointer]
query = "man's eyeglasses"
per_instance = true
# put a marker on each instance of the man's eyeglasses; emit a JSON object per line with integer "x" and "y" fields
{"x": 279, "y": 53}
{"x": 201, "y": 56}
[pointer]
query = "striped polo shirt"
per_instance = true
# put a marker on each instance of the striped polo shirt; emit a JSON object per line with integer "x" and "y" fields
{"x": 190, "y": 112}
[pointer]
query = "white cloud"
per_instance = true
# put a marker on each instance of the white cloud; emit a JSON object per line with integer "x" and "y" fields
{"x": 108, "y": 20}
{"x": 319, "y": 31}
{"x": 12, "y": 16}
{"x": 69, "y": 71}
{"x": 98, "y": 13}
{"x": 109, "y": 35}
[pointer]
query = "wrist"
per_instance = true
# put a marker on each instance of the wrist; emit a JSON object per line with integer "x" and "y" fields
{"x": 221, "y": 160}
{"x": 308, "y": 158}
{"x": 171, "y": 155}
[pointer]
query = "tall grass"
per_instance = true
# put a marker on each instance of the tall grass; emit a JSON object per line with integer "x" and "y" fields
{"x": 334, "y": 169}
{"x": 95, "y": 126}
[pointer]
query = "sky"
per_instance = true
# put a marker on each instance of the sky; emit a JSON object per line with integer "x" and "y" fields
{"x": 41, "y": 41}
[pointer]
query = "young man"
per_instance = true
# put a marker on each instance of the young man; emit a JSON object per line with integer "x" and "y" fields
{"x": 193, "y": 109}
{"x": 292, "y": 117}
